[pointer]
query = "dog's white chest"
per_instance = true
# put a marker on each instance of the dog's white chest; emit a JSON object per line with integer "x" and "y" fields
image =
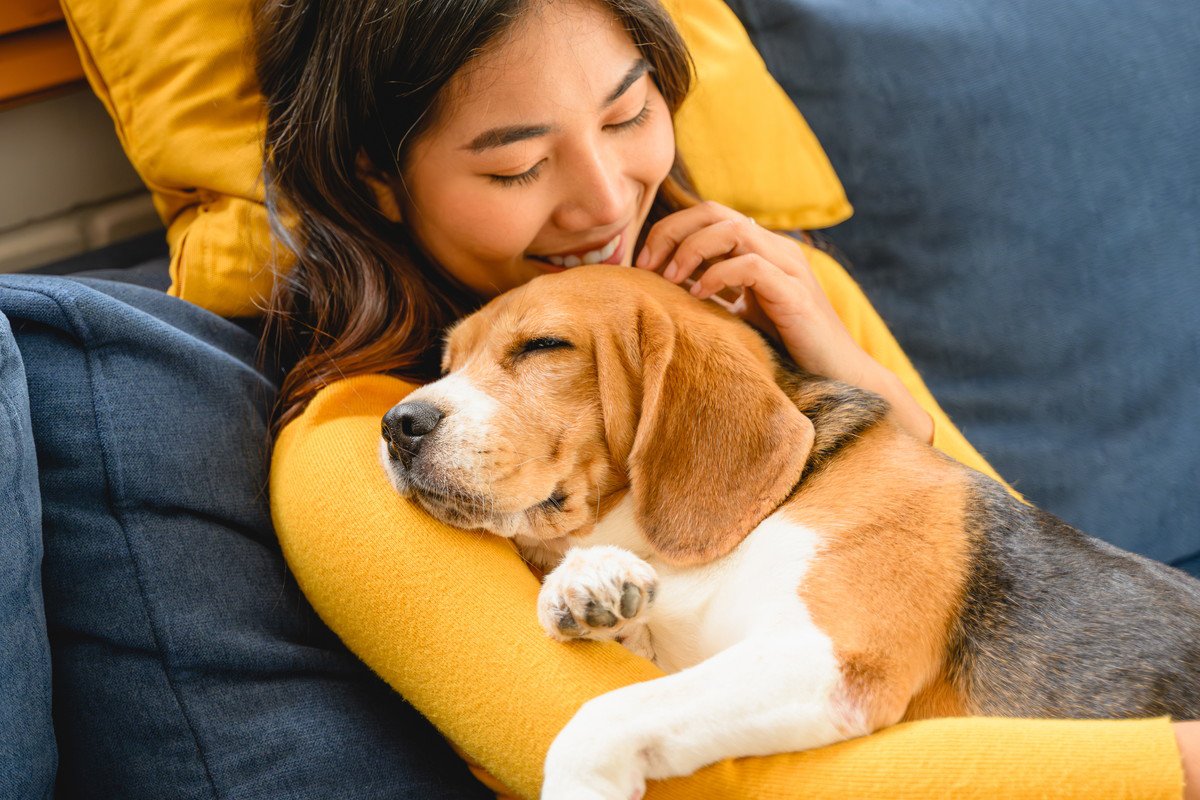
{"x": 700, "y": 611}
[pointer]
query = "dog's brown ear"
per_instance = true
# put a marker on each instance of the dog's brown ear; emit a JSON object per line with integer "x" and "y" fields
{"x": 718, "y": 445}
{"x": 618, "y": 353}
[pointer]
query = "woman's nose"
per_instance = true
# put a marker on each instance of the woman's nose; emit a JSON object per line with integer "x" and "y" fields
{"x": 594, "y": 192}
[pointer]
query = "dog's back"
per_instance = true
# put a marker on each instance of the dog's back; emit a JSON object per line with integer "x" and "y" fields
{"x": 1059, "y": 624}
{"x": 1050, "y": 623}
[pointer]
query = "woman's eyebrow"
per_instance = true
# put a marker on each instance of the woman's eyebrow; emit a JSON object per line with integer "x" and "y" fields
{"x": 498, "y": 137}
{"x": 639, "y": 68}
{"x": 510, "y": 134}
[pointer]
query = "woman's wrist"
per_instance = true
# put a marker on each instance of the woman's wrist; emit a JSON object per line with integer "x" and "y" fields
{"x": 1187, "y": 735}
{"x": 909, "y": 413}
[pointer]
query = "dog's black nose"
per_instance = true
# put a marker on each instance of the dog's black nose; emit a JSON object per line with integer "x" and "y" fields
{"x": 405, "y": 426}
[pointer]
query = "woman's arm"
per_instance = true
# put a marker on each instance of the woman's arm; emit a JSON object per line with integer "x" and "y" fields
{"x": 871, "y": 333}
{"x": 804, "y": 299}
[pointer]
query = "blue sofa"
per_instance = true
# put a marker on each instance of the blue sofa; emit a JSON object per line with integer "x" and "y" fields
{"x": 1025, "y": 176}
{"x": 1026, "y": 179}
{"x": 154, "y": 638}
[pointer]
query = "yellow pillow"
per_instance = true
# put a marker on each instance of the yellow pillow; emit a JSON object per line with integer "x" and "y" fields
{"x": 177, "y": 78}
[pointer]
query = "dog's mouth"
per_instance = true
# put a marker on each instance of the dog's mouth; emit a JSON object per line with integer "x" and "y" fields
{"x": 474, "y": 512}
{"x": 462, "y": 507}
{"x": 468, "y": 512}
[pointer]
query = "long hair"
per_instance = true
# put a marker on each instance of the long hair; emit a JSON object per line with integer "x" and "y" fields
{"x": 359, "y": 80}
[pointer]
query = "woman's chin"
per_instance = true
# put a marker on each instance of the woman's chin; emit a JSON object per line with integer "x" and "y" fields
{"x": 545, "y": 266}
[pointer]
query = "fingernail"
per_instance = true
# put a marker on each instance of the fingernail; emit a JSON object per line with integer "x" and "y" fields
{"x": 669, "y": 272}
{"x": 696, "y": 290}
{"x": 643, "y": 257}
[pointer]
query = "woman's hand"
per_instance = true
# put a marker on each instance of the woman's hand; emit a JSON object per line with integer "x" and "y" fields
{"x": 781, "y": 297}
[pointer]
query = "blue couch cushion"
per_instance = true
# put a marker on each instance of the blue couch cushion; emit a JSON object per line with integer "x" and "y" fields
{"x": 186, "y": 663}
{"x": 1025, "y": 181}
{"x": 27, "y": 751}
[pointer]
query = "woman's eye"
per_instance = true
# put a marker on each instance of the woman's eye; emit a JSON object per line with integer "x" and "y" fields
{"x": 544, "y": 343}
{"x": 632, "y": 122}
{"x": 528, "y": 176}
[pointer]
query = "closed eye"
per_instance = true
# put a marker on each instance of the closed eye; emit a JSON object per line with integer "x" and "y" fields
{"x": 528, "y": 176}
{"x": 632, "y": 122}
{"x": 543, "y": 343}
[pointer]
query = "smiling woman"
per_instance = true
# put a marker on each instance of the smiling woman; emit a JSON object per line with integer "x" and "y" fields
{"x": 531, "y": 168}
{"x": 523, "y": 143}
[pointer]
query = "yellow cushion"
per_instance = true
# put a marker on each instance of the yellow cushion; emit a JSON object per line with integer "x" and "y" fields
{"x": 177, "y": 79}
{"x": 743, "y": 140}
{"x": 177, "y": 82}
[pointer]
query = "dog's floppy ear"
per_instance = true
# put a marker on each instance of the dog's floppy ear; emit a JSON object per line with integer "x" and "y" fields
{"x": 718, "y": 445}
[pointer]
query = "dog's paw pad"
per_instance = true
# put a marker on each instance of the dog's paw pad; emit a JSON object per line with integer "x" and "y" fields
{"x": 598, "y": 616}
{"x": 595, "y": 593}
{"x": 631, "y": 600}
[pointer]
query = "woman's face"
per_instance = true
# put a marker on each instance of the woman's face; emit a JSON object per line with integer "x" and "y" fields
{"x": 548, "y": 154}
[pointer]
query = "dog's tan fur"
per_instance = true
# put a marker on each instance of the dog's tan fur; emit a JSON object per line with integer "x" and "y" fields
{"x": 874, "y": 502}
{"x": 537, "y": 397}
{"x": 626, "y": 384}
{"x": 622, "y": 385}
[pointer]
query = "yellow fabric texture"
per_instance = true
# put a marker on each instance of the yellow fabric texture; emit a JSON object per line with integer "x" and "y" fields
{"x": 448, "y": 619}
{"x": 177, "y": 79}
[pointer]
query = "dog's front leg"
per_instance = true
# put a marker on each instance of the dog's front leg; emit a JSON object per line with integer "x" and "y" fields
{"x": 758, "y": 697}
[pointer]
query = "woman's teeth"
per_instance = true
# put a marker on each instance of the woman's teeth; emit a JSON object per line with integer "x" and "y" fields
{"x": 590, "y": 257}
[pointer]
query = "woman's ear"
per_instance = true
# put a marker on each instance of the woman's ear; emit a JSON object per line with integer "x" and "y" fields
{"x": 718, "y": 445}
{"x": 380, "y": 186}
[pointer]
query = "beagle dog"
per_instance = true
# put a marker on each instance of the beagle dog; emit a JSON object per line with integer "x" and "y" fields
{"x": 805, "y": 569}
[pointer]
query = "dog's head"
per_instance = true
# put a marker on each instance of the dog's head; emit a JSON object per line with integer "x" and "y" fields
{"x": 562, "y": 393}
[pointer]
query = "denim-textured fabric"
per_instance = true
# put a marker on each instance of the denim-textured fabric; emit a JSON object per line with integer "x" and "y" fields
{"x": 186, "y": 662}
{"x": 1026, "y": 183}
{"x": 27, "y": 751}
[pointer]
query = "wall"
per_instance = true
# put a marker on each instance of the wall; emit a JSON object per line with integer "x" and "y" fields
{"x": 65, "y": 185}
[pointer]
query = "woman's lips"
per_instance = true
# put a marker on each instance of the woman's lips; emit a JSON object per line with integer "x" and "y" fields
{"x": 610, "y": 253}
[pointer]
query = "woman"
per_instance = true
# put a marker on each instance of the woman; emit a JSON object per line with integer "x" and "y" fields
{"x": 426, "y": 156}
{"x": 487, "y": 207}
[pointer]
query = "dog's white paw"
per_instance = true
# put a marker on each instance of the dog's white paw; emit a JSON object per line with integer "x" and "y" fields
{"x": 584, "y": 786}
{"x": 598, "y": 593}
{"x": 591, "y": 759}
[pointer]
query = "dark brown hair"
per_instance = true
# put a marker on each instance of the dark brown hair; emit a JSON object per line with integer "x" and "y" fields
{"x": 356, "y": 82}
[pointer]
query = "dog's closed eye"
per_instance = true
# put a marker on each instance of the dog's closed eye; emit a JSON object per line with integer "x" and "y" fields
{"x": 542, "y": 343}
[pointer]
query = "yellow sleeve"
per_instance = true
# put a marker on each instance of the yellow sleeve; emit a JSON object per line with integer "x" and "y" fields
{"x": 448, "y": 619}
{"x": 872, "y": 334}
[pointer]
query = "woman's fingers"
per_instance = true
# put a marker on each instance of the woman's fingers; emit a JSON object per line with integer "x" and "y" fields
{"x": 790, "y": 308}
{"x": 778, "y": 296}
{"x": 773, "y": 288}
{"x": 762, "y": 276}
{"x": 725, "y": 239}
{"x": 680, "y": 243}
{"x": 743, "y": 304}
{"x": 670, "y": 231}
